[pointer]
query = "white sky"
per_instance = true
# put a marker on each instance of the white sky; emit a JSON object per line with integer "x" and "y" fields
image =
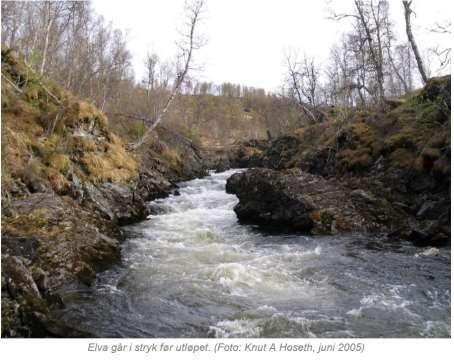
{"x": 247, "y": 39}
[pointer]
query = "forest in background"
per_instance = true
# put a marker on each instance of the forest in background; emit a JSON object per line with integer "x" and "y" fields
{"x": 68, "y": 42}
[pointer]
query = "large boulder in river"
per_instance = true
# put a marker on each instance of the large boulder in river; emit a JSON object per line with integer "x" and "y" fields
{"x": 308, "y": 203}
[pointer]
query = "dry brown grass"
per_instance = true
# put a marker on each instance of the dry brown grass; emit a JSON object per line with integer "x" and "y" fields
{"x": 82, "y": 143}
{"x": 172, "y": 156}
{"x": 84, "y": 112}
{"x": 26, "y": 121}
{"x": 57, "y": 180}
{"x": 114, "y": 165}
{"x": 59, "y": 162}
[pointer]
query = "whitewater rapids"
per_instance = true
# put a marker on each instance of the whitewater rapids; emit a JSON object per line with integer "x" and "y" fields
{"x": 191, "y": 270}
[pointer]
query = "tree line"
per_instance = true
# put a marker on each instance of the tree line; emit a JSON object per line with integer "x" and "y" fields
{"x": 366, "y": 67}
{"x": 68, "y": 42}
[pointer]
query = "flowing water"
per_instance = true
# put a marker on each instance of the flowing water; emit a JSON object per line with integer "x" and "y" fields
{"x": 191, "y": 270}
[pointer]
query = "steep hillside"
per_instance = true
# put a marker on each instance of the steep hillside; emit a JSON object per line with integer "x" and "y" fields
{"x": 67, "y": 185}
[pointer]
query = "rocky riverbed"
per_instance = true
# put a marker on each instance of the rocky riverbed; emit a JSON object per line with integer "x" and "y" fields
{"x": 192, "y": 270}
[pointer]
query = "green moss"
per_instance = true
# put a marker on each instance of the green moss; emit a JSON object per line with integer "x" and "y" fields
{"x": 406, "y": 138}
{"x": 431, "y": 115}
{"x": 437, "y": 89}
{"x": 402, "y": 158}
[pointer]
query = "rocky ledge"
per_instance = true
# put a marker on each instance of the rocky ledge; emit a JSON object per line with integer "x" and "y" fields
{"x": 312, "y": 204}
{"x": 50, "y": 242}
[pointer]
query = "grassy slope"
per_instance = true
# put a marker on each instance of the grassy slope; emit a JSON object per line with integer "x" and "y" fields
{"x": 414, "y": 135}
{"x": 44, "y": 142}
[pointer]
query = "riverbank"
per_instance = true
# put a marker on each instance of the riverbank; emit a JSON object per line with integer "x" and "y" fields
{"x": 381, "y": 172}
{"x": 68, "y": 185}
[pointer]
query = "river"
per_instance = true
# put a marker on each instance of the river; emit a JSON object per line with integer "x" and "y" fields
{"x": 191, "y": 270}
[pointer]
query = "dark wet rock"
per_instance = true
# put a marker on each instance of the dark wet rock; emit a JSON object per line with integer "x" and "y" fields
{"x": 305, "y": 202}
{"x": 245, "y": 156}
{"x": 115, "y": 202}
{"x": 276, "y": 207}
{"x": 422, "y": 182}
{"x": 93, "y": 197}
{"x": 433, "y": 209}
{"x": 153, "y": 185}
{"x": 280, "y": 152}
{"x": 126, "y": 206}
{"x": 222, "y": 164}
{"x": 424, "y": 233}
{"x": 49, "y": 242}
{"x": 63, "y": 233}
{"x": 377, "y": 210}
{"x": 19, "y": 279}
{"x": 23, "y": 246}
{"x": 316, "y": 205}
{"x": 191, "y": 164}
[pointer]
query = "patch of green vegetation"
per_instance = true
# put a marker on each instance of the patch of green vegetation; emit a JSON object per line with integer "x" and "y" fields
{"x": 405, "y": 138}
{"x": 354, "y": 160}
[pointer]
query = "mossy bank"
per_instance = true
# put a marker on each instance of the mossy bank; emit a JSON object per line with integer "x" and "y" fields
{"x": 68, "y": 184}
{"x": 392, "y": 165}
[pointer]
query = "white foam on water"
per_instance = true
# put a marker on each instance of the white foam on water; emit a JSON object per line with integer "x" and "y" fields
{"x": 235, "y": 328}
{"x": 355, "y": 312}
{"x": 194, "y": 254}
{"x": 267, "y": 309}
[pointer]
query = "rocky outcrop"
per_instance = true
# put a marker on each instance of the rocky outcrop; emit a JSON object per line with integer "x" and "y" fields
{"x": 308, "y": 203}
{"x": 297, "y": 200}
{"x": 68, "y": 185}
{"x": 184, "y": 160}
{"x": 248, "y": 154}
{"x": 394, "y": 167}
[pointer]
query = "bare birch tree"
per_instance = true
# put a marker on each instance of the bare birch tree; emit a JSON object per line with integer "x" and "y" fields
{"x": 369, "y": 33}
{"x": 411, "y": 39}
{"x": 443, "y": 54}
{"x": 303, "y": 82}
{"x": 187, "y": 45}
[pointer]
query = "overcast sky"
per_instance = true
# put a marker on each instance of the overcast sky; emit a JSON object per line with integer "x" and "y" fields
{"x": 247, "y": 39}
